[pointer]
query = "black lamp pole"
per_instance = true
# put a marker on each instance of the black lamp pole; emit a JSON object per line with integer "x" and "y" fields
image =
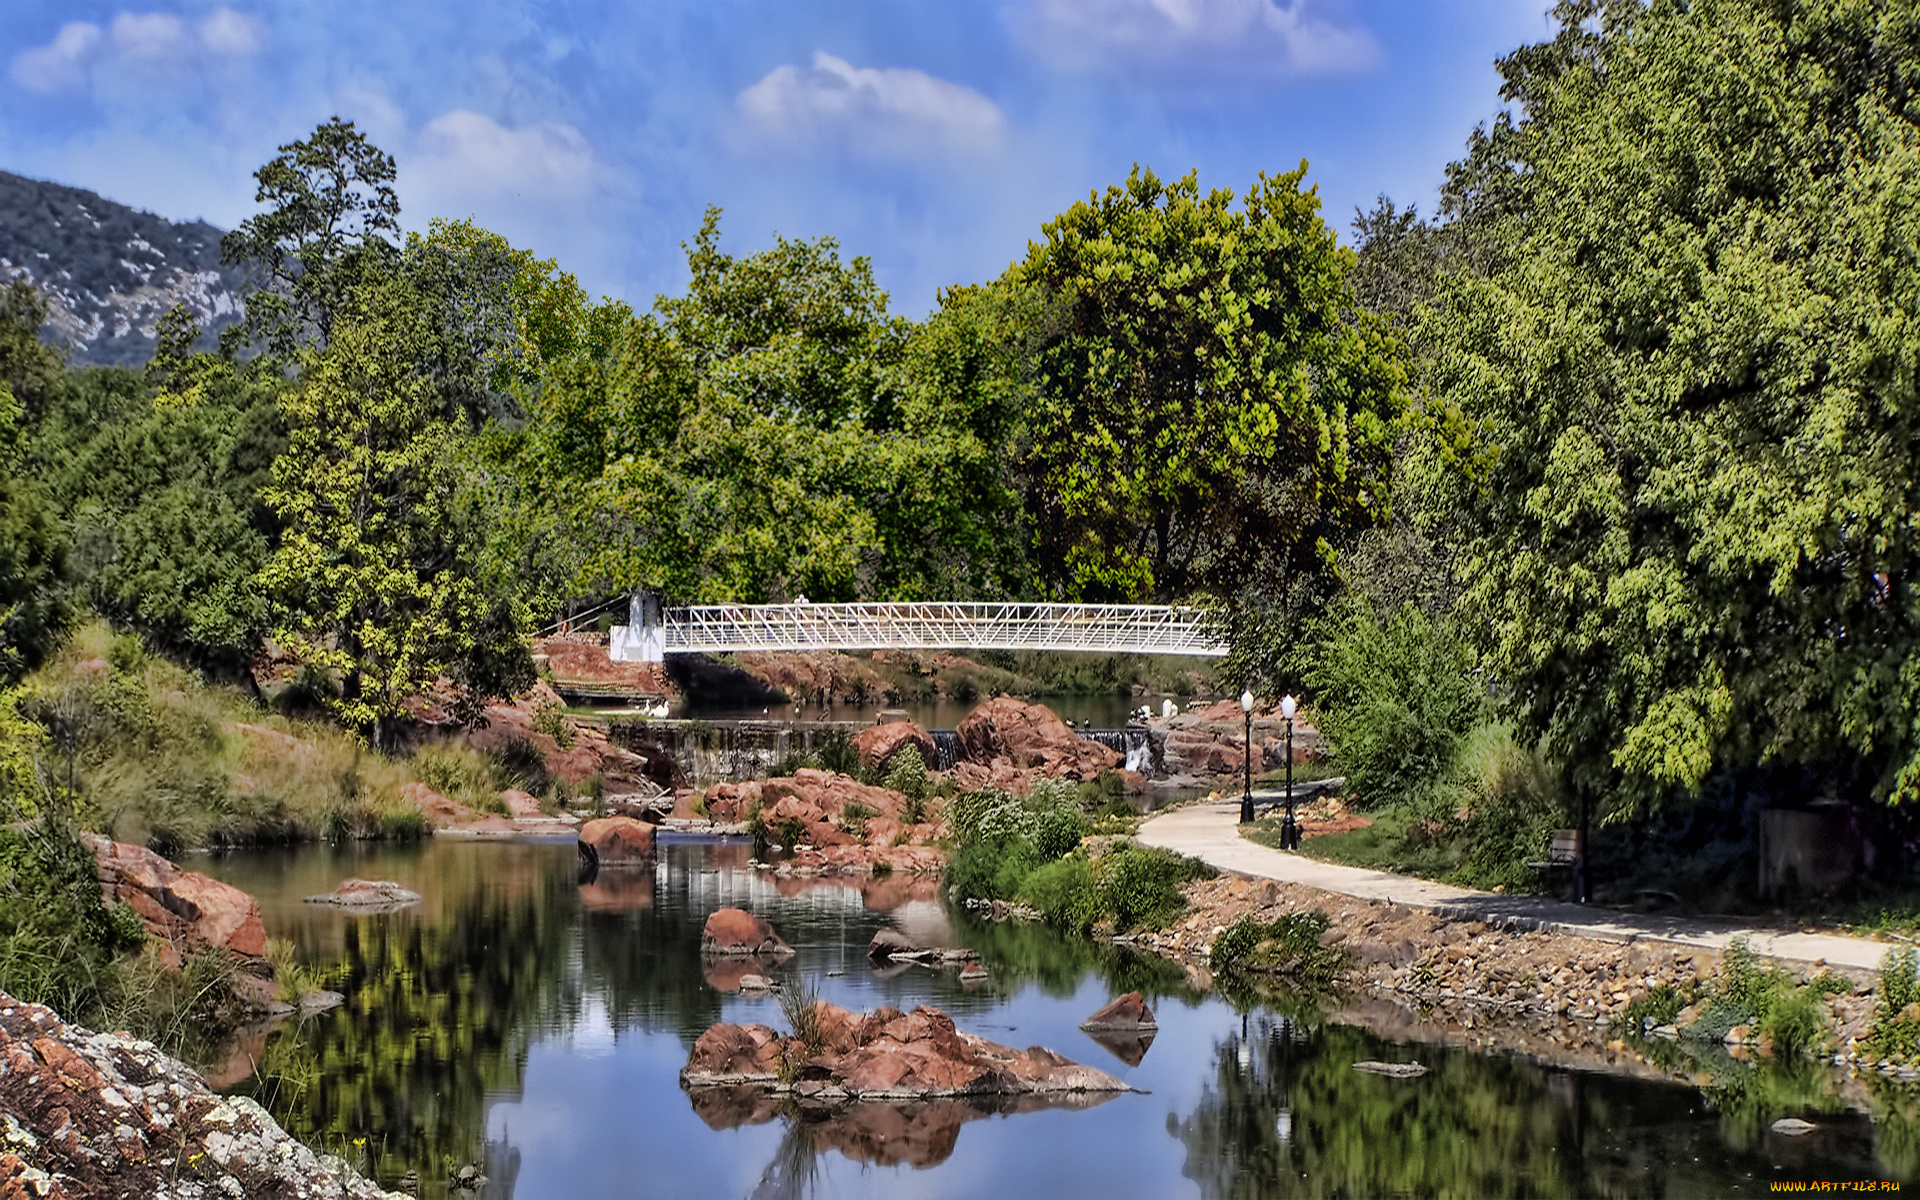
{"x": 1289, "y": 830}
{"x": 1246, "y": 796}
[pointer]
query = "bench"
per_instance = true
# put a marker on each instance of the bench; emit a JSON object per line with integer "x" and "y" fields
{"x": 1563, "y": 850}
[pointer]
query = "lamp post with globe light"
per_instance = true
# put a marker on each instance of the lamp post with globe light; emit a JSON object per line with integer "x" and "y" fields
{"x": 1289, "y": 832}
{"x": 1246, "y": 796}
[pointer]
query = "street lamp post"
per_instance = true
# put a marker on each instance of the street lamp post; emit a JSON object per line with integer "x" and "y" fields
{"x": 1289, "y": 832}
{"x": 1246, "y": 797}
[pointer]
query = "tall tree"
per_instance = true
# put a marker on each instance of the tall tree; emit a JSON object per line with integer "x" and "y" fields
{"x": 331, "y": 223}
{"x": 1212, "y": 411}
{"x": 1690, "y": 348}
{"x": 375, "y": 574}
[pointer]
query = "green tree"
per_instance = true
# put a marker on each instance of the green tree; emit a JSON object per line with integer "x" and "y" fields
{"x": 375, "y": 573}
{"x": 772, "y": 433}
{"x": 1211, "y": 410}
{"x": 330, "y": 223}
{"x": 1687, "y": 347}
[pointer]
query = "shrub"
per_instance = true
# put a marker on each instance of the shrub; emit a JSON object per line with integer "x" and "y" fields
{"x": 1289, "y": 945}
{"x": 907, "y": 774}
{"x": 1396, "y": 699}
{"x": 991, "y": 869}
{"x": 519, "y": 764}
{"x": 836, "y": 752}
{"x": 1064, "y": 893}
{"x": 550, "y": 718}
{"x": 854, "y": 816}
{"x": 1140, "y": 885}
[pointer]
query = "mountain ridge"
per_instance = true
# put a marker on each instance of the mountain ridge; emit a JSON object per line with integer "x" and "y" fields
{"x": 109, "y": 271}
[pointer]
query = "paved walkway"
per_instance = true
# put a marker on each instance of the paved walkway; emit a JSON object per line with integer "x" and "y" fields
{"x": 1210, "y": 831}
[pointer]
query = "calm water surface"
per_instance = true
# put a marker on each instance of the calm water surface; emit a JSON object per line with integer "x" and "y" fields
{"x": 536, "y": 1025}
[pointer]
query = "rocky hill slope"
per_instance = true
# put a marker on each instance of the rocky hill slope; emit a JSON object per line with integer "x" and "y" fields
{"x": 110, "y": 272}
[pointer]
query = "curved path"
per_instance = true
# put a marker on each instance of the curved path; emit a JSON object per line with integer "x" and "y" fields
{"x": 1210, "y": 831}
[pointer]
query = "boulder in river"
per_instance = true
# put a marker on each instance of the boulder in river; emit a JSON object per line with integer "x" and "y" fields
{"x": 1028, "y": 737}
{"x": 368, "y": 896}
{"x": 882, "y": 1055}
{"x": 1128, "y": 1013}
{"x": 184, "y": 912}
{"x": 878, "y": 744}
{"x": 735, "y": 932}
{"x": 104, "y": 1114}
{"x": 614, "y": 841}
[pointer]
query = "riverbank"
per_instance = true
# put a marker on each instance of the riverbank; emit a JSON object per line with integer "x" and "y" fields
{"x": 1522, "y": 967}
{"x": 104, "y": 1114}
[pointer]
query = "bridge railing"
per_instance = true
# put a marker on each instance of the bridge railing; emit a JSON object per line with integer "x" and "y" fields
{"x": 1108, "y": 628}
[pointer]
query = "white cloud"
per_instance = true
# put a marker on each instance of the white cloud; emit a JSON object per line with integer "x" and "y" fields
{"x": 1200, "y": 41}
{"x": 233, "y": 34}
{"x": 146, "y": 42}
{"x": 61, "y": 63}
{"x": 464, "y": 151}
{"x": 875, "y": 113}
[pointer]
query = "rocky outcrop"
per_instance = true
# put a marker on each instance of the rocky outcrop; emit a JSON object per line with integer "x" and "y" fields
{"x": 105, "y": 1115}
{"x": 882, "y": 1055}
{"x": 613, "y": 841}
{"x": 735, "y": 932}
{"x": 1128, "y": 1013}
{"x": 1212, "y": 740}
{"x": 877, "y": 744}
{"x": 368, "y": 896}
{"x": 184, "y": 912}
{"x": 1030, "y": 737}
{"x": 833, "y": 824}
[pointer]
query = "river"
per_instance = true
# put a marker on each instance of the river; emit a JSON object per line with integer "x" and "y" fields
{"x": 535, "y": 1025}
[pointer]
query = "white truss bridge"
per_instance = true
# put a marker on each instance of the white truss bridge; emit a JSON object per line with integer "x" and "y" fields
{"x": 652, "y": 632}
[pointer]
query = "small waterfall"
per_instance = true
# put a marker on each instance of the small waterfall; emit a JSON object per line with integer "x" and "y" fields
{"x": 946, "y": 749}
{"x": 1133, "y": 746}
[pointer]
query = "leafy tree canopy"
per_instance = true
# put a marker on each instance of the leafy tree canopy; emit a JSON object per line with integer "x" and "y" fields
{"x": 1211, "y": 410}
{"x": 1689, "y": 350}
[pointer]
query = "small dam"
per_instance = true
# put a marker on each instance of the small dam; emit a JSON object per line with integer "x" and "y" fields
{"x": 703, "y": 753}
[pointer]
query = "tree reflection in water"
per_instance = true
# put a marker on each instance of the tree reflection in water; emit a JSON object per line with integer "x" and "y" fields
{"x": 1286, "y": 1114}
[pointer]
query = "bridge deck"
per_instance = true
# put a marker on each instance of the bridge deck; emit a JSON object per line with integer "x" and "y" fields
{"x": 1100, "y": 628}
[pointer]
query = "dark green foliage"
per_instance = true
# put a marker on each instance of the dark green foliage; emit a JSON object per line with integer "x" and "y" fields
{"x": 1288, "y": 945}
{"x": 1896, "y": 1020}
{"x": 1057, "y": 829}
{"x": 520, "y": 764}
{"x": 1397, "y": 699}
{"x": 331, "y": 218}
{"x": 1140, "y": 885}
{"x": 835, "y": 752}
{"x": 991, "y": 868}
{"x": 1065, "y": 894}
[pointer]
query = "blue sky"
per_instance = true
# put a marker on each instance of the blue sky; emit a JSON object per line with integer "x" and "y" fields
{"x": 935, "y": 138}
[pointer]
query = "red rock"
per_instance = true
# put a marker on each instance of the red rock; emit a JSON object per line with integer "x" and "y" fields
{"x": 734, "y": 931}
{"x": 520, "y": 804}
{"x": 877, "y": 744}
{"x": 1127, "y": 1012}
{"x": 440, "y": 811}
{"x": 1029, "y": 736}
{"x": 184, "y": 911}
{"x": 609, "y": 841}
{"x": 368, "y": 895}
{"x": 884, "y": 1053}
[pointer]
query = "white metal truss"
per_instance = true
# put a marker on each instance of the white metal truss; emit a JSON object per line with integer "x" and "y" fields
{"x": 1103, "y": 628}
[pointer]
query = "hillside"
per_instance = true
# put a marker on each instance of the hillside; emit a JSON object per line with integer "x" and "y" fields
{"x": 110, "y": 272}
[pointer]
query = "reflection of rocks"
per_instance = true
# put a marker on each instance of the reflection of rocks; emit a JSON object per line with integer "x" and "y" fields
{"x": 734, "y": 932}
{"x": 1127, "y": 1014}
{"x": 1129, "y": 1048}
{"x": 918, "y": 1133}
{"x": 368, "y": 896}
{"x": 611, "y": 840}
{"x": 731, "y": 974}
{"x": 616, "y": 890}
{"x": 883, "y": 1055}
